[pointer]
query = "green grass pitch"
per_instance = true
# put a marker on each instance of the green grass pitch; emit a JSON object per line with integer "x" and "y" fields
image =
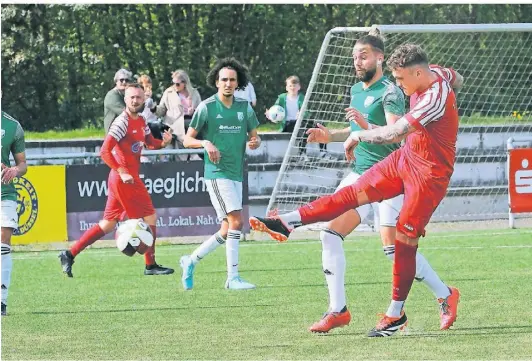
{"x": 110, "y": 311}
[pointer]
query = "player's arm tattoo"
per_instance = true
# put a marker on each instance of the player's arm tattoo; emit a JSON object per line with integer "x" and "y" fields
{"x": 389, "y": 134}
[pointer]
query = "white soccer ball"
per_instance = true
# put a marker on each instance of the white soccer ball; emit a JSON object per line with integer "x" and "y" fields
{"x": 276, "y": 113}
{"x": 133, "y": 235}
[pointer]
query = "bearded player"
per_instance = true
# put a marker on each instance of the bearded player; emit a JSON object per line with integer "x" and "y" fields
{"x": 121, "y": 151}
{"x": 421, "y": 170}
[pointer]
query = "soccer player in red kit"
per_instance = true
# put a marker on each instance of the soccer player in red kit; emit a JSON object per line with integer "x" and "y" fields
{"x": 421, "y": 170}
{"x": 121, "y": 151}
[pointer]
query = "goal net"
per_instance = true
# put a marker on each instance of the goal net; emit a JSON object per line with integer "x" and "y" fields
{"x": 495, "y": 103}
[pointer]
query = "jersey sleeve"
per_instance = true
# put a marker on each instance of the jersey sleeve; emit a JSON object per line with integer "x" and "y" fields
{"x": 252, "y": 120}
{"x": 393, "y": 100}
{"x": 199, "y": 119}
{"x": 19, "y": 144}
{"x": 430, "y": 105}
{"x": 446, "y": 73}
{"x": 118, "y": 128}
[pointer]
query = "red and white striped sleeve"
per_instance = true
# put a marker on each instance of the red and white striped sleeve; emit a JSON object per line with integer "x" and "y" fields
{"x": 430, "y": 105}
{"x": 446, "y": 73}
{"x": 118, "y": 128}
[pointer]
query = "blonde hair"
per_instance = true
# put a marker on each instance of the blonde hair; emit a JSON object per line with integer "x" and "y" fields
{"x": 293, "y": 79}
{"x": 145, "y": 81}
{"x": 183, "y": 76}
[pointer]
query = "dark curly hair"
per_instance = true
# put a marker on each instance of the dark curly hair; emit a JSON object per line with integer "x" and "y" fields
{"x": 242, "y": 72}
{"x": 407, "y": 55}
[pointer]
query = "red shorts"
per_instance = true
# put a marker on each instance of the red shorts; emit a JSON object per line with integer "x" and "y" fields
{"x": 133, "y": 198}
{"x": 395, "y": 175}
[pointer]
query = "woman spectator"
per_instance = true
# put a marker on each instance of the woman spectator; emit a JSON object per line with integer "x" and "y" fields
{"x": 190, "y": 97}
{"x": 177, "y": 102}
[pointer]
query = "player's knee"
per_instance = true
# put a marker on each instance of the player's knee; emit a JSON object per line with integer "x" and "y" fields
{"x": 6, "y": 235}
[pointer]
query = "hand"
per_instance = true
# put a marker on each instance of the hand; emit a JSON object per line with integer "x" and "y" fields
{"x": 148, "y": 103}
{"x": 167, "y": 137}
{"x": 355, "y": 116}
{"x": 267, "y": 114}
{"x": 319, "y": 135}
{"x": 349, "y": 148}
{"x": 254, "y": 143}
{"x": 212, "y": 151}
{"x": 125, "y": 176}
{"x": 8, "y": 174}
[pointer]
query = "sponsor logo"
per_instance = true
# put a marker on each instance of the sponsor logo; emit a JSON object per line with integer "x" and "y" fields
{"x": 523, "y": 178}
{"x": 233, "y": 129}
{"x": 219, "y": 116}
{"x": 240, "y": 116}
{"x": 137, "y": 147}
{"x": 409, "y": 227}
{"x": 368, "y": 101}
{"x": 327, "y": 272}
{"x": 27, "y": 205}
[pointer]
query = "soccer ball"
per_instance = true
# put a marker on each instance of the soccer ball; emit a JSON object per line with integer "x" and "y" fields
{"x": 276, "y": 113}
{"x": 133, "y": 235}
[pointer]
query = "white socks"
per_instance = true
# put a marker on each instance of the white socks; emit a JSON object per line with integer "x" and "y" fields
{"x": 7, "y": 265}
{"x": 394, "y": 310}
{"x": 292, "y": 219}
{"x": 231, "y": 251}
{"x": 207, "y": 247}
{"x": 424, "y": 273}
{"x": 333, "y": 260}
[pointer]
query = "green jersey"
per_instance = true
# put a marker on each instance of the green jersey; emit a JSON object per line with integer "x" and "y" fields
{"x": 226, "y": 128}
{"x": 381, "y": 97}
{"x": 12, "y": 143}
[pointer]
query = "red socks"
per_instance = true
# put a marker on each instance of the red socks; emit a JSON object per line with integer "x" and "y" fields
{"x": 149, "y": 256}
{"x": 329, "y": 207}
{"x": 404, "y": 270}
{"x": 89, "y": 237}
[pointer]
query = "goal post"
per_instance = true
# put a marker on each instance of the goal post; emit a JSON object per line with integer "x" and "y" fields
{"x": 495, "y": 103}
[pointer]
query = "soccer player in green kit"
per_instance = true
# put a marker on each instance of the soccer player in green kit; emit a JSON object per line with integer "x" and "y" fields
{"x": 12, "y": 143}
{"x": 375, "y": 101}
{"x": 226, "y": 124}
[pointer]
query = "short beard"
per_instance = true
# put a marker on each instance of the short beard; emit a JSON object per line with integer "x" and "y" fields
{"x": 135, "y": 111}
{"x": 368, "y": 75}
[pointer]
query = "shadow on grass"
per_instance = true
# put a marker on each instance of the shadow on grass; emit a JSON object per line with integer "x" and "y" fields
{"x": 144, "y": 309}
{"x": 461, "y": 331}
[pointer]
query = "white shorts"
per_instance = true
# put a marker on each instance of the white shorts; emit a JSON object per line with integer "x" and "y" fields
{"x": 9, "y": 214}
{"x": 226, "y": 196}
{"x": 387, "y": 211}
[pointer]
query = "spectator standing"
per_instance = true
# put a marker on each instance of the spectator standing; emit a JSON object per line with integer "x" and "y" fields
{"x": 114, "y": 104}
{"x": 146, "y": 83}
{"x": 291, "y": 102}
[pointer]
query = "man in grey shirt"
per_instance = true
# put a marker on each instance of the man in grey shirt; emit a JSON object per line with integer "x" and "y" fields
{"x": 114, "y": 104}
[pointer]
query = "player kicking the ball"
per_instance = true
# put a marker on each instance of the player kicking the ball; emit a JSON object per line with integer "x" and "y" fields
{"x": 375, "y": 102}
{"x": 121, "y": 151}
{"x": 226, "y": 123}
{"x": 420, "y": 170}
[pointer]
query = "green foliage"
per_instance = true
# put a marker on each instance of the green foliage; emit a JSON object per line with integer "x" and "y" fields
{"x": 58, "y": 61}
{"x": 110, "y": 311}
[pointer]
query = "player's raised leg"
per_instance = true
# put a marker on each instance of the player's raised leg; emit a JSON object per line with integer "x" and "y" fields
{"x": 90, "y": 236}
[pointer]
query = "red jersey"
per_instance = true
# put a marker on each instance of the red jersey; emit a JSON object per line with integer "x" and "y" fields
{"x": 124, "y": 143}
{"x": 432, "y": 148}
